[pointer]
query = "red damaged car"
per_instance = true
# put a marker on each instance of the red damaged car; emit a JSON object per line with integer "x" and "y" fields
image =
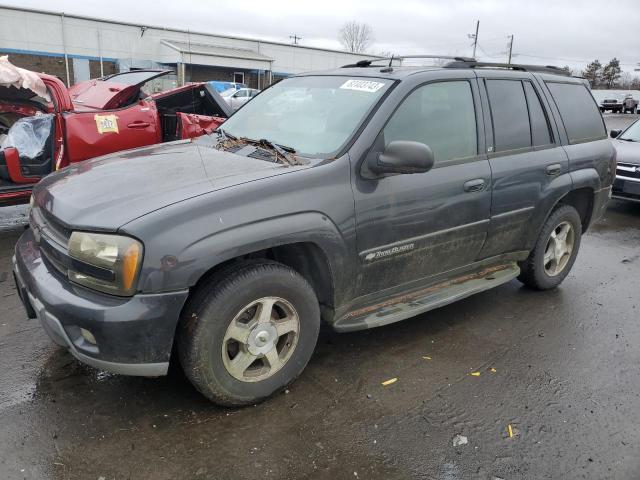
{"x": 44, "y": 126}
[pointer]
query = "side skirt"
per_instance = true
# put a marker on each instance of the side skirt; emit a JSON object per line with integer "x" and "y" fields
{"x": 420, "y": 301}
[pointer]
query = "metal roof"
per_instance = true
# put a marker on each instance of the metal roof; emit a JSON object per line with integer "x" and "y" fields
{"x": 180, "y": 30}
{"x": 212, "y": 50}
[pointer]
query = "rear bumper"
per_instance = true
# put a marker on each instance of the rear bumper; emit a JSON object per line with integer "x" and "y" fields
{"x": 14, "y": 195}
{"x": 133, "y": 336}
{"x": 600, "y": 201}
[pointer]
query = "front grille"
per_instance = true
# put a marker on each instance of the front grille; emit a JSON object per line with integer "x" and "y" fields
{"x": 628, "y": 170}
{"x": 52, "y": 238}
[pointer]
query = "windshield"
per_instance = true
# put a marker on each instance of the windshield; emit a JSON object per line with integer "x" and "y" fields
{"x": 631, "y": 134}
{"x": 315, "y": 116}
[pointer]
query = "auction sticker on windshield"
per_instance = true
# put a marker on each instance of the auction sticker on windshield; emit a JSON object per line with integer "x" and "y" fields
{"x": 362, "y": 85}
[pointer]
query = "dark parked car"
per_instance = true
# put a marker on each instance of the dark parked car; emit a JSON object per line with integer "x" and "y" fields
{"x": 627, "y": 144}
{"x": 360, "y": 196}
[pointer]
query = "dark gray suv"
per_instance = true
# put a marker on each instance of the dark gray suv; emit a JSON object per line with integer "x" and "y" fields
{"x": 359, "y": 197}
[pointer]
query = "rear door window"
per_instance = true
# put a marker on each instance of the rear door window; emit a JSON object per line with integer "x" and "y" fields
{"x": 540, "y": 134}
{"x": 440, "y": 115}
{"x": 509, "y": 113}
{"x": 579, "y": 112}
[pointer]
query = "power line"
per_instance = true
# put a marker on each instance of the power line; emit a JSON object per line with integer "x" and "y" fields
{"x": 562, "y": 59}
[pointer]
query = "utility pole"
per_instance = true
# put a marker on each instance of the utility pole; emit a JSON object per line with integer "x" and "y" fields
{"x": 510, "y": 50}
{"x": 475, "y": 38}
{"x": 295, "y": 38}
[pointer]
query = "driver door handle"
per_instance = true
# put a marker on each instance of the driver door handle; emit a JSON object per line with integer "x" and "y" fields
{"x": 475, "y": 185}
{"x": 138, "y": 124}
{"x": 553, "y": 169}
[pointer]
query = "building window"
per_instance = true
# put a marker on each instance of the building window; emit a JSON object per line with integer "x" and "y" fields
{"x": 238, "y": 77}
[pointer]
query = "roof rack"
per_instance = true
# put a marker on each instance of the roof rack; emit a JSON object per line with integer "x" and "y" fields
{"x": 509, "y": 66}
{"x": 461, "y": 62}
{"x": 390, "y": 60}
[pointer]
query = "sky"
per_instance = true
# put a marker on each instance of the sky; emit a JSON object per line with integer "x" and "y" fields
{"x": 549, "y": 32}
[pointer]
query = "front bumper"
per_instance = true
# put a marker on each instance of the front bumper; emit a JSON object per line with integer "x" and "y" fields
{"x": 626, "y": 188}
{"x": 133, "y": 335}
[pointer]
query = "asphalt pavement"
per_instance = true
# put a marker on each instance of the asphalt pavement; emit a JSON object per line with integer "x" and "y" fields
{"x": 541, "y": 384}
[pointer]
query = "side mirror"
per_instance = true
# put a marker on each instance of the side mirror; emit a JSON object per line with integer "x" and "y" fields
{"x": 615, "y": 133}
{"x": 402, "y": 156}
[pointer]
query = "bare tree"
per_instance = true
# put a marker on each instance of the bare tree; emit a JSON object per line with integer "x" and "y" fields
{"x": 625, "y": 80}
{"x": 356, "y": 37}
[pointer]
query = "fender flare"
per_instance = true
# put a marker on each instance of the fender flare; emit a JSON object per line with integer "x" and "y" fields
{"x": 587, "y": 177}
{"x": 204, "y": 254}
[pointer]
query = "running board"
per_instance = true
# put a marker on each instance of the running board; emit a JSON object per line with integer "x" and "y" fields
{"x": 412, "y": 304}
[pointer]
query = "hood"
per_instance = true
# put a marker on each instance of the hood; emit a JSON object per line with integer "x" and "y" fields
{"x": 107, "y": 192}
{"x": 113, "y": 91}
{"x": 627, "y": 152}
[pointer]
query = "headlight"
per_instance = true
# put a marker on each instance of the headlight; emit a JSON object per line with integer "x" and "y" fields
{"x": 108, "y": 263}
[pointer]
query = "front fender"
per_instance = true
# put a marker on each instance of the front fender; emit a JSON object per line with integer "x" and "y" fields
{"x": 184, "y": 268}
{"x": 311, "y": 227}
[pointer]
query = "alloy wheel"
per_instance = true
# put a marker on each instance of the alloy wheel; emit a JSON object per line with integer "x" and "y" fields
{"x": 260, "y": 339}
{"x": 559, "y": 248}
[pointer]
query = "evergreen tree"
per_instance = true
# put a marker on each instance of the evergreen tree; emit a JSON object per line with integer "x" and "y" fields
{"x": 611, "y": 72}
{"x": 593, "y": 73}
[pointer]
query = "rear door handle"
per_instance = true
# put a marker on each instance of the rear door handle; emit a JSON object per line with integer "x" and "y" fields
{"x": 139, "y": 125}
{"x": 553, "y": 169}
{"x": 475, "y": 185}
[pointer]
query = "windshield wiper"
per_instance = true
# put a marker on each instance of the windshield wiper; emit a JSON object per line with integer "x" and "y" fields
{"x": 225, "y": 135}
{"x": 627, "y": 139}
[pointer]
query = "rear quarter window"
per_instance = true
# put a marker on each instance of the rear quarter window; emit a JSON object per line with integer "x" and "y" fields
{"x": 579, "y": 112}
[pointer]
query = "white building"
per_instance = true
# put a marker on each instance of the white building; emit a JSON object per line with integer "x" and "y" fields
{"x": 77, "y": 48}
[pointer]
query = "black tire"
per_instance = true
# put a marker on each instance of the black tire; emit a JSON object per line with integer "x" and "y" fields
{"x": 211, "y": 310}
{"x": 532, "y": 270}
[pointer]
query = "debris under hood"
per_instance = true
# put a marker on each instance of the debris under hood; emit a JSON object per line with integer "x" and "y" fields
{"x": 277, "y": 153}
{"x": 12, "y": 76}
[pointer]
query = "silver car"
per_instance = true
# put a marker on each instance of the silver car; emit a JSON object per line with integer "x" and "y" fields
{"x": 237, "y": 98}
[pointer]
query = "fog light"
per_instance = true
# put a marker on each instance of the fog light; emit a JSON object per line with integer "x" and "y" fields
{"x": 88, "y": 336}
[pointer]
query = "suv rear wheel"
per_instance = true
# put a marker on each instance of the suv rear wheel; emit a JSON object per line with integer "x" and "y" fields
{"x": 555, "y": 250}
{"x": 249, "y": 333}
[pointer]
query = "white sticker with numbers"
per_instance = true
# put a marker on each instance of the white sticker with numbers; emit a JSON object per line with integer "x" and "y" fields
{"x": 362, "y": 85}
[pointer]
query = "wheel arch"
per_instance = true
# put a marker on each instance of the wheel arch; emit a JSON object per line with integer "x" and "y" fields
{"x": 309, "y": 242}
{"x": 582, "y": 199}
{"x": 305, "y": 257}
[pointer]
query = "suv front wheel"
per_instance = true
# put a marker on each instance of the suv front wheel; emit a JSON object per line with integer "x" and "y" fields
{"x": 555, "y": 250}
{"x": 249, "y": 333}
